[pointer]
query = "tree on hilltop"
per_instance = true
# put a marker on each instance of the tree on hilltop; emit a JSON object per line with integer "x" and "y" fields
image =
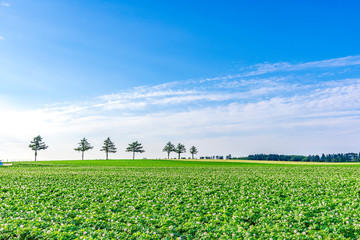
{"x": 135, "y": 147}
{"x": 169, "y": 147}
{"x": 108, "y": 147}
{"x": 37, "y": 144}
{"x": 84, "y": 145}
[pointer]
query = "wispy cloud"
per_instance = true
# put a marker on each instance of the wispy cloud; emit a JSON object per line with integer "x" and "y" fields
{"x": 5, "y": 4}
{"x": 295, "y": 110}
{"x": 1, "y": 38}
{"x": 331, "y": 63}
{"x": 266, "y": 68}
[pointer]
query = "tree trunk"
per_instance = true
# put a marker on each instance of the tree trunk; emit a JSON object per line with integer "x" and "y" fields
{"x": 178, "y": 155}
{"x": 107, "y": 154}
{"x": 133, "y": 155}
{"x": 82, "y": 156}
{"x": 35, "y": 155}
{"x": 168, "y": 155}
{"x": 192, "y": 156}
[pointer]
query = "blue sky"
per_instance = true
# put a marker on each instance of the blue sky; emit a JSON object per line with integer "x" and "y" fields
{"x": 236, "y": 77}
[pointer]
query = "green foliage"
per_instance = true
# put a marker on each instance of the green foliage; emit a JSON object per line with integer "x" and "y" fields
{"x": 84, "y": 145}
{"x": 135, "y": 147}
{"x": 169, "y": 147}
{"x": 180, "y": 149}
{"x": 37, "y": 144}
{"x": 143, "y": 164}
{"x": 277, "y": 157}
{"x": 108, "y": 147}
{"x": 339, "y": 157}
{"x": 193, "y": 150}
{"x": 76, "y": 199}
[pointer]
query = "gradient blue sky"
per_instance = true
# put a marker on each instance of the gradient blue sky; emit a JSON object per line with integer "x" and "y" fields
{"x": 236, "y": 77}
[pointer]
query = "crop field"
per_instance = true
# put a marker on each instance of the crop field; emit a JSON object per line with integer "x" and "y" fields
{"x": 154, "y": 199}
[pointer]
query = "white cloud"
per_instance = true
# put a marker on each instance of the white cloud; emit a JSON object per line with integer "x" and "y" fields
{"x": 239, "y": 116}
{"x": 144, "y": 92}
{"x": 122, "y": 105}
{"x": 266, "y": 68}
{"x": 2, "y": 38}
{"x": 330, "y": 63}
{"x": 5, "y": 4}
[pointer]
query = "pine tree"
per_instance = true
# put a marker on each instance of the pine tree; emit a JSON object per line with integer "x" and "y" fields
{"x": 193, "y": 150}
{"x": 37, "y": 144}
{"x": 135, "y": 147}
{"x": 180, "y": 149}
{"x": 323, "y": 158}
{"x": 169, "y": 147}
{"x": 108, "y": 147}
{"x": 84, "y": 145}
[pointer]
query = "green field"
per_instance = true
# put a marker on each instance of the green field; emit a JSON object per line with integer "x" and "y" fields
{"x": 162, "y": 199}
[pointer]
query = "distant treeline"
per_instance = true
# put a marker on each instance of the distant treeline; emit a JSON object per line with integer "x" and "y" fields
{"x": 339, "y": 157}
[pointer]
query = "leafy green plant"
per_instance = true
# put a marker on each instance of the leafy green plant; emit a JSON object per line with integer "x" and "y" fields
{"x": 178, "y": 200}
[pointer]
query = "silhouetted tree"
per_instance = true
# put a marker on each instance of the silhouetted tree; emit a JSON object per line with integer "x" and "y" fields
{"x": 135, "y": 147}
{"x": 169, "y": 147}
{"x": 37, "y": 144}
{"x": 84, "y": 145}
{"x": 108, "y": 147}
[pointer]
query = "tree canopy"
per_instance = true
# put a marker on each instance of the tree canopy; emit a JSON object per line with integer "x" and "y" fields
{"x": 339, "y": 157}
{"x": 84, "y": 145}
{"x": 108, "y": 147}
{"x": 37, "y": 144}
{"x": 135, "y": 147}
{"x": 193, "y": 150}
{"x": 180, "y": 149}
{"x": 169, "y": 147}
